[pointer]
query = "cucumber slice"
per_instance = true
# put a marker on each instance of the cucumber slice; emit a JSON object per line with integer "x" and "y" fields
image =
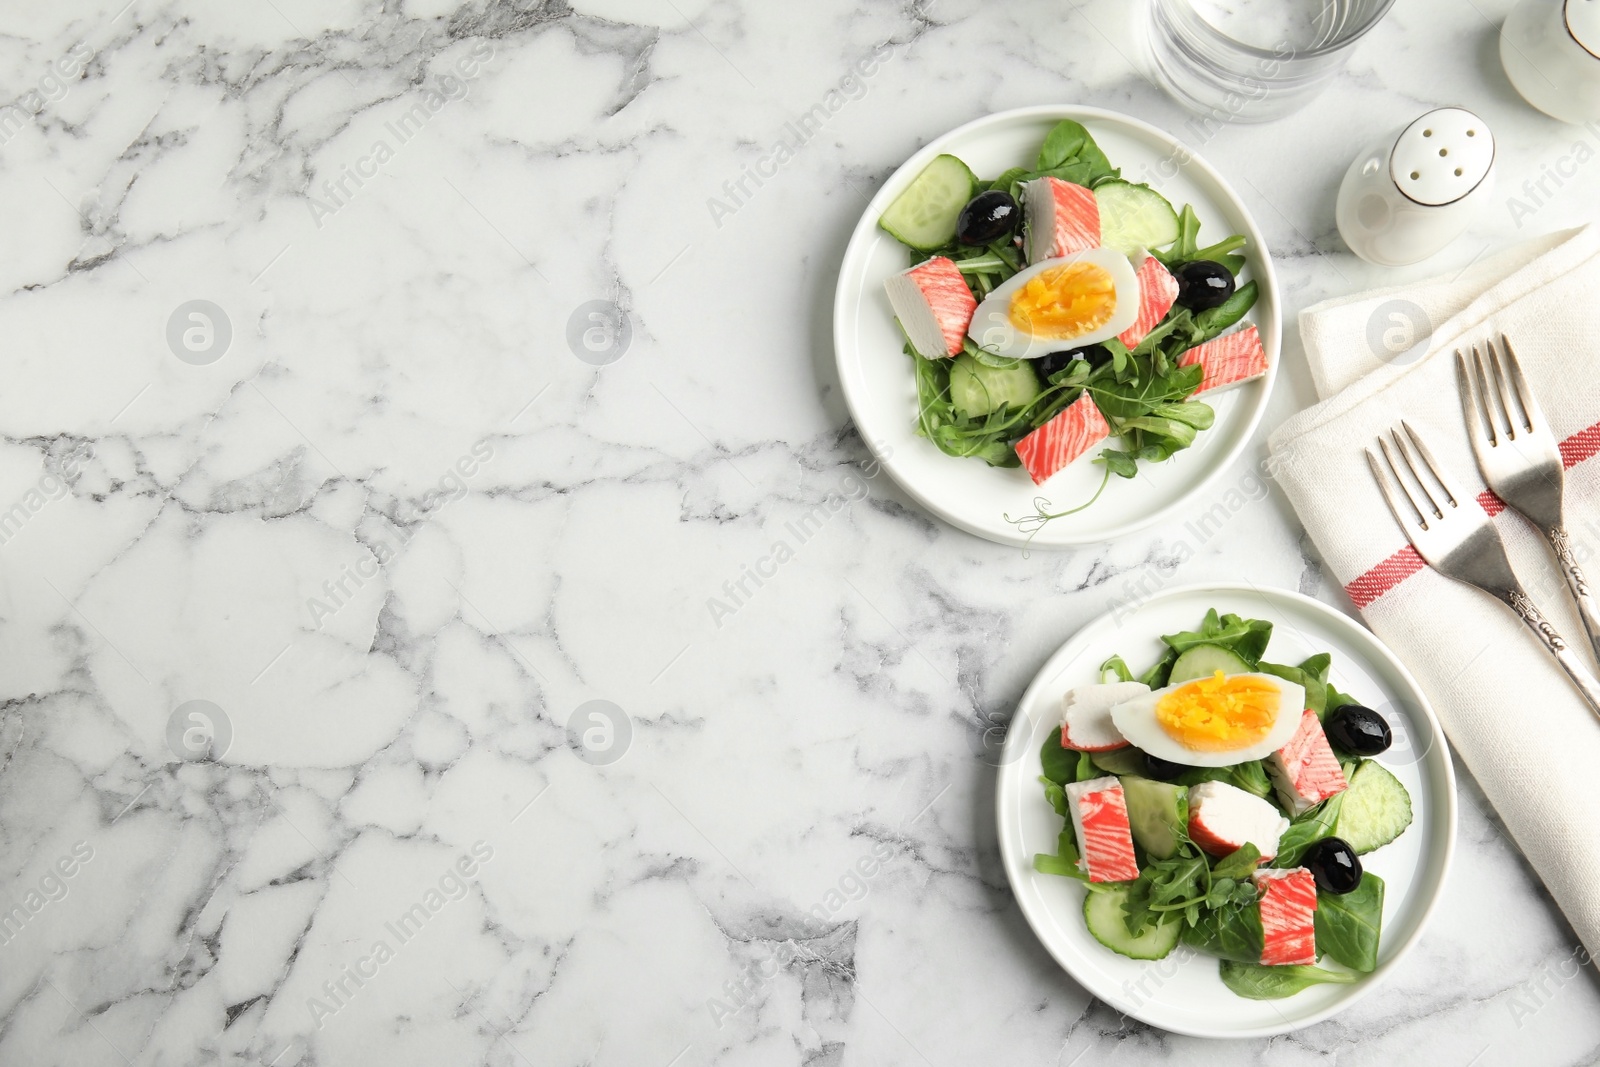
{"x": 1119, "y": 761}
{"x": 1134, "y": 218}
{"x": 1157, "y": 812}
{"x": 1106, "y": 918}
{"x": 924, "y": 216}
{"x": 1376, "y": 808}
{"x": 976, "y": 389}
{"x": 1202, "y": 661}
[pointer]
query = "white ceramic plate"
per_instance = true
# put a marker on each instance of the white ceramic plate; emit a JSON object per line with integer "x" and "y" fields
{"x": 877, "y": 375}
{"x": 1183, "y": 993}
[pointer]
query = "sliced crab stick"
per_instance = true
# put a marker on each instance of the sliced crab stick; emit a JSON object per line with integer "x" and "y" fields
{"x": 934, "y": 306}
{"x": 1100, "y": 817}
{"x": 1224, "y": 818}
{"x": 1305, "y": 771}
{"x": 1062, "y": 218}
{"x": 1288, "y": 910}
{"x": 1228, "y": 360}
{"x": 1158, "y": 291}
{"x": 1078, "y": 428}
{"x": 1086, "y": 715}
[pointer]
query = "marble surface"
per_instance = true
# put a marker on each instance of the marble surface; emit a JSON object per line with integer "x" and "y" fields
{"x": 372, "y": 511}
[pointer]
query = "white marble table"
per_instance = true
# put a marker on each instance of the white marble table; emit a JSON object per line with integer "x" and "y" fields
{"x": 394, "y": 533}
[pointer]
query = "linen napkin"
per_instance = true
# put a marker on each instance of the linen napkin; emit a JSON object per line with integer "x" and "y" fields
{"x": 1509, "y": 711}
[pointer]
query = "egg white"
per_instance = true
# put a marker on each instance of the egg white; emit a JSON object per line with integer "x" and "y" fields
{"x": 1136, "y": 720}
{"x": 993, "y": 331}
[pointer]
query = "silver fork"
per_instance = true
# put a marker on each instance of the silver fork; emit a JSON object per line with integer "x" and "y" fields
{"x": 1453, "y": 533}
{"x": 1519, "y": 458}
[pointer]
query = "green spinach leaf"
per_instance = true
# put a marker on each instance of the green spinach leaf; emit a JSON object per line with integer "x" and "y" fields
{"x": 1311, "y": 826}
{"x": 1255, "y": 982}
{"x": 1348, "y": 925}
{"x": 1060, "y": 765}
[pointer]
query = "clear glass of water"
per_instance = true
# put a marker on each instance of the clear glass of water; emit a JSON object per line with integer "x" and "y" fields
{"x": 1254, "y": 60}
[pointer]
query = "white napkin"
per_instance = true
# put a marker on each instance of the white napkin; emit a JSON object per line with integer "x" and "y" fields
{"x": 1509, "y": 711}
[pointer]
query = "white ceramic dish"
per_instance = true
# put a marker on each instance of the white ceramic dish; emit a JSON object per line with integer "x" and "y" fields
{"x": 1183, "y": 993}
{"x": 877, "y": 376}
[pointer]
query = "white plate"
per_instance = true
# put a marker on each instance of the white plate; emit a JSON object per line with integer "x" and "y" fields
{"x": 877, "y": 375}
{"x": 1186, "y": 995}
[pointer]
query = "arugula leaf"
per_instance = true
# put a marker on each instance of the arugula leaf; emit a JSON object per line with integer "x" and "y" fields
{"x": 1065, "y": 861}
{"x": 1055, "y": 795}
{"x": 1348, "y": 924}
{"x": 1086, "y": 768}
{"x": 1311, "y": 826}
{"x": 1115, "y": 665}
{"x": 1238, "y": 864}
{"x": 1255, "y": 982}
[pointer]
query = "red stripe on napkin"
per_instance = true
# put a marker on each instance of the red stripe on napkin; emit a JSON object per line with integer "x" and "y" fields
{"x": 1585, "y": 444}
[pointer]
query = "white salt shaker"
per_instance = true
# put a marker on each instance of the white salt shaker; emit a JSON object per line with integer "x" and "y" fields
{"x": 1551, "y": 52}
{"x": 1412, "y": 193}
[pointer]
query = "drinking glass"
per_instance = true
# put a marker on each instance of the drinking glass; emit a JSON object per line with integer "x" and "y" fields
{"x": 1254, "y": 60}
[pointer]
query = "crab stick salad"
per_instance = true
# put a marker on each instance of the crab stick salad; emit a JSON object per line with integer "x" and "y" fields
{"x": 1223, "y": 801}
{"x": 1058, "y": 310}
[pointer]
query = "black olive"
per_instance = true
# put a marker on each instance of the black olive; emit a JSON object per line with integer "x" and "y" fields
{"x": 1358, "y": 730}
{"x": 1094, "y": 355}
{"x": 1204, "y": 284}
{"x": 1334, "y": 865}
{"x": 987, "y": 217}
{"x": 1162, "y": 770}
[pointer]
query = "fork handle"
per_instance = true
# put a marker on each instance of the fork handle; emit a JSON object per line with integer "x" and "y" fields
{"x": 1587, "y": 685}
{"x": 1577, "y": 583}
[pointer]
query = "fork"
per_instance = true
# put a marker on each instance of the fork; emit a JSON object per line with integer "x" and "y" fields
{"x": 1453, "y": 534}
{"x": 1519, "y": 459}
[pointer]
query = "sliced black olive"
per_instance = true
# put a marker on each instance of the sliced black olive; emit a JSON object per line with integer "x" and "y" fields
{"x": 1334, "y": 865}
{"x": 1094, "y": 355}
{"x": 1204, "y": 284}
{"x": 987, "y": 217}
{"x": 1358, "y": 730}
{"x": 1162, "y": 770}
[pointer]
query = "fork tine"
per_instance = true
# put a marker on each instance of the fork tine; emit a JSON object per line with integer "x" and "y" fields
{"x": 1478, "y": 426}
{"x": 1399, "y": 480}
{"x": 1412, "y": 466}
{"x": 1490, "y": 414}
{"x": 1387, "y": 489}
{"x": 1451, "y": 488}
{"x": 1533, "y": 417}
{"x": 1514, "y": 420}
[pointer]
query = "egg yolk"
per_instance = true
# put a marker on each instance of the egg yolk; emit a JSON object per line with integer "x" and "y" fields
{"x": 1064, "y": 302}
{"x": 1219, "y": 714}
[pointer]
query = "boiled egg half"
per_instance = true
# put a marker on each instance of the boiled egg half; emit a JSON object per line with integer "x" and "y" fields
{"x": 1057, "y": 304}
{"x": 1215, "y": 721}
